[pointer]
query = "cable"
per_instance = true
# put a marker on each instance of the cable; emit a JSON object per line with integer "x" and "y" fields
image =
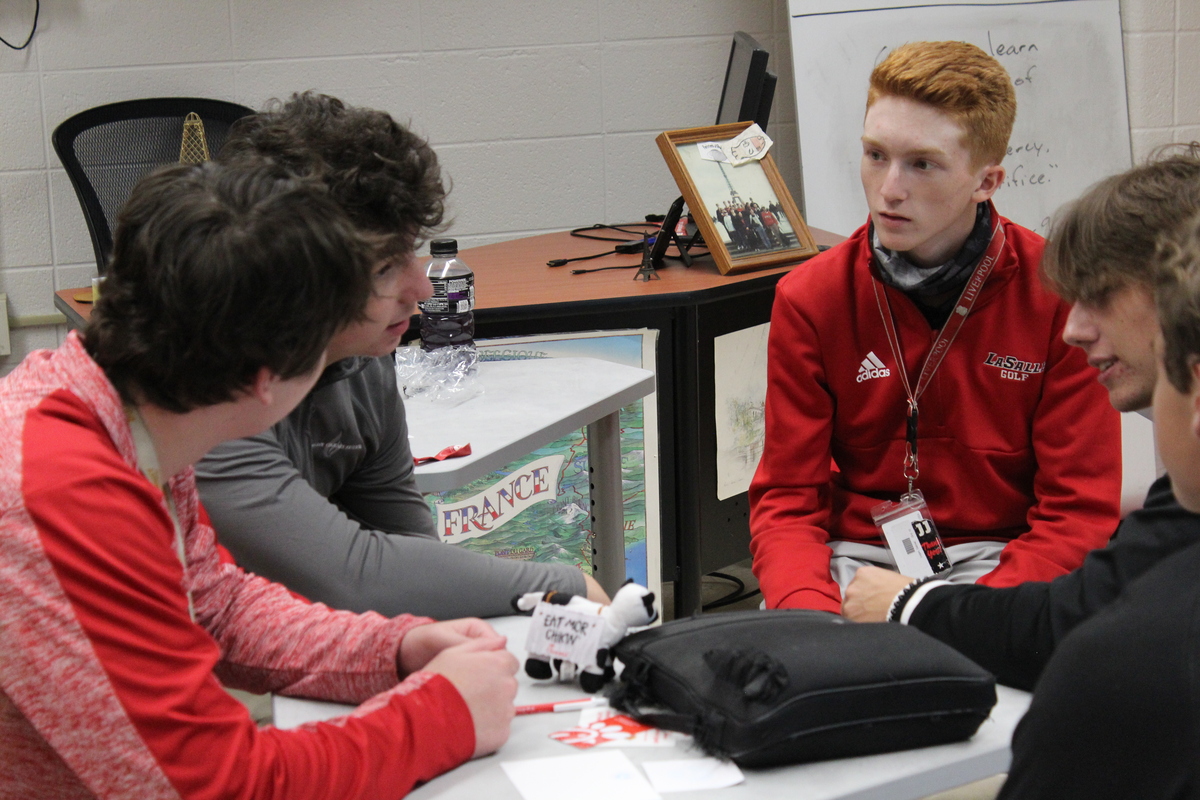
{"x": 736, "y": 596}
{"x": 601, "y": 269}
{"x": 558, "y": 262}
{"x": 623, "y": 245}
{"x": 37, "y": 10}
{"x": 620, "y": 227}
{"x": 741, "y": 585}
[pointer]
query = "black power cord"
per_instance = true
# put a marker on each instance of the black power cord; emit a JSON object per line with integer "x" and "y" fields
{"x": 623, "y": 245}
{"x": 736, "y": 596}
{"x": 602, "y": 269}
{"x": 37, "y": 10}
{"x": 620, "y": 228}
{"x": 558, "y": 262}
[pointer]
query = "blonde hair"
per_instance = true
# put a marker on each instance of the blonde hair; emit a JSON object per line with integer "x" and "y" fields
{"x": 960, "y": 80}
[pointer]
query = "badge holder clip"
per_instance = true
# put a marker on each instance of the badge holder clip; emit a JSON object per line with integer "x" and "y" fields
{"x": 912, "y": 536}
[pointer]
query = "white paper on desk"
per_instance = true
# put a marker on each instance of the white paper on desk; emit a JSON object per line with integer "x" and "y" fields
{"x": 691, "y": 775}
{"x": 593, "y": 776}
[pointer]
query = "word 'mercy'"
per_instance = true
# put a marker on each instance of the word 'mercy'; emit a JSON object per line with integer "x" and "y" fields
{"x": 1029, "y": 147}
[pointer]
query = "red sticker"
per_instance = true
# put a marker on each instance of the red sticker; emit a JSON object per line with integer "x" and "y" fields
{"x": 448, "y": 452}
{"x": 610, "y": 729}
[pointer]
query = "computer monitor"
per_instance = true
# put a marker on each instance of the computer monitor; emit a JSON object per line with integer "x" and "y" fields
{"x": 749, "y": 88}
{"x": 764, "y": 100}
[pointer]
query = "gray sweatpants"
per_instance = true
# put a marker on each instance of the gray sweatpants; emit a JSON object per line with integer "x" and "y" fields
{"x": 970, "y": 561}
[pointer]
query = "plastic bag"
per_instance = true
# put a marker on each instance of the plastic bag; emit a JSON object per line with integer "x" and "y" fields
{"x": 448, "y": 374}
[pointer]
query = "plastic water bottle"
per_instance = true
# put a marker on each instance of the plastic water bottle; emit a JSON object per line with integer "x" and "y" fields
{"x": 448, "y": 318}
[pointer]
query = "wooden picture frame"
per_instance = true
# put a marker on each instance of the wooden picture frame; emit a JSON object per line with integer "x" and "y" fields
{"x": 742, "y": 241}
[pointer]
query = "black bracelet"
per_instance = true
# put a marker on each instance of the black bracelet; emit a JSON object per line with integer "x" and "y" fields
{"x": 902, "y": 598}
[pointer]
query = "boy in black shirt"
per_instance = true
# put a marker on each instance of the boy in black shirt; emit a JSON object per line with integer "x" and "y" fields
{"x": 1116, "y": 712}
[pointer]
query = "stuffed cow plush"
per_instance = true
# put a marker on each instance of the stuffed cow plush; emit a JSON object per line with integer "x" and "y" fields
{"x": 632, "y": 605}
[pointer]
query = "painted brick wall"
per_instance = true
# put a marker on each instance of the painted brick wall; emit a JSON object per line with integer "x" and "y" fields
{"x": 544, "y": 112}
{"x": 1162, "y": 71}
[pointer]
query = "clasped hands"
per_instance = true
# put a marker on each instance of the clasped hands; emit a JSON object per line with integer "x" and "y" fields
{"x": 472, "y": 656}
{"x": 869, "y": 596}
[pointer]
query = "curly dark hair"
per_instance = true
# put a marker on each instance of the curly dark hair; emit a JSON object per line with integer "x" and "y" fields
{"x": 1177, "y": 297}
{"x": 385, "y": 176}
{"x": 218, "y": 271}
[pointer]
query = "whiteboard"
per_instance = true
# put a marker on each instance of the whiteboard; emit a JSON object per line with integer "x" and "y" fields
{"x": 1067, "y": 66}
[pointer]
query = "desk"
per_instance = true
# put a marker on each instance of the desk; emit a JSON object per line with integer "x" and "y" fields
{"x": 75, "y": 312}
{"x": 889, "y": 776}
{"x": 525, "y": 405}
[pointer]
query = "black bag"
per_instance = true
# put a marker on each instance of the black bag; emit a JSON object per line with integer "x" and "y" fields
{"x": 781, "y": 687}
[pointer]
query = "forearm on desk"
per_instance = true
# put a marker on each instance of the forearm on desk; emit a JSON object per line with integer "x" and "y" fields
{"x": 278, "y": 526}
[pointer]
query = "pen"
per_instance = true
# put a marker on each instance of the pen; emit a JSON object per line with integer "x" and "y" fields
{"x": 562, "y": 705}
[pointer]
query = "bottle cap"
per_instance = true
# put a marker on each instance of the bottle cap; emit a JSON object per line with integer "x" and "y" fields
{"x": 443, "y": 247}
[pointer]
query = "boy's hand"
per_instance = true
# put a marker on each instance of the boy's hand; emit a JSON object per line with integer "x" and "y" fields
{"x": 485, "y": 675}
{"x": 423, "y": 643}
{"x": 870, "y": 594}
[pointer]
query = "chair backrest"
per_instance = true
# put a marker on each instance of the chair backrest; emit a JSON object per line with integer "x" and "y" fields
{"x": 107, "y": 149}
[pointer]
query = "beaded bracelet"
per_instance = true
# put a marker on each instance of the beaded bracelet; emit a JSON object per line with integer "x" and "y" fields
{"x": 897, "y": 606}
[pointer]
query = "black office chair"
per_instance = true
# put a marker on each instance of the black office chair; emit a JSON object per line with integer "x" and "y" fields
{"x": 107, "y": 149}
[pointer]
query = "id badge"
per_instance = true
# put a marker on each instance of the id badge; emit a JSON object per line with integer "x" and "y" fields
{"x": 911, "y": 535}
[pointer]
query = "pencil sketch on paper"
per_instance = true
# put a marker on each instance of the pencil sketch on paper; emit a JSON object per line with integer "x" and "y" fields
{"x": 740, "y": 386}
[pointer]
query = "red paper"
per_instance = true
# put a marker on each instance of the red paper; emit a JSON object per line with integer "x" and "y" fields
{"x": 449, "y": 452}
{"x": 610, "y": 729}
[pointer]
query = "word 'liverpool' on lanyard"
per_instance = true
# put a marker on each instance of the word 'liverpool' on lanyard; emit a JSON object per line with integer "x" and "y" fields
{"x": 147, "y": 458}
{"x": 966, "y": 301}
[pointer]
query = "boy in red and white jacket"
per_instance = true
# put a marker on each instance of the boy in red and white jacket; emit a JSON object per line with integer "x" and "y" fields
{"x": 1018, "y": 450}
{"x": 118, "y": 621}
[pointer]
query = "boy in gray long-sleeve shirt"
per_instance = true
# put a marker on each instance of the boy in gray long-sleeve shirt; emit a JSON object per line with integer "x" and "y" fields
{"x": 324, "y": 502}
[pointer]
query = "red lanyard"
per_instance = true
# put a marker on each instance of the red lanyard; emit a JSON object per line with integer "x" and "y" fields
{"x": 941, "y": 345}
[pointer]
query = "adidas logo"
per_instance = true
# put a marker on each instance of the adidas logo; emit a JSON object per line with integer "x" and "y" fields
{"x": 872, "y": 367}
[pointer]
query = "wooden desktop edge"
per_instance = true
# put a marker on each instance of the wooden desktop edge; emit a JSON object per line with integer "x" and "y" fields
{"x": 76, "y": 313}
{"x": 513, "y": 274}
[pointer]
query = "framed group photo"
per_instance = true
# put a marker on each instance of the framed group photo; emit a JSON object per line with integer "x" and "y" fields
{"x": 745, "y": 212}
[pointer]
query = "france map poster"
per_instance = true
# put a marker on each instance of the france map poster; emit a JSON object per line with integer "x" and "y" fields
{"x": 549, "y": 488}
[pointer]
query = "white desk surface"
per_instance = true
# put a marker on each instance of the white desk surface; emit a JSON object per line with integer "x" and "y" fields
{"x": 904, "y": 775}
{"x": 525, "y": 405}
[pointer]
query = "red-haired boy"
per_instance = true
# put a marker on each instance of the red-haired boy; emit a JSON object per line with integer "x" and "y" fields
{"x": 1016, "y": 448}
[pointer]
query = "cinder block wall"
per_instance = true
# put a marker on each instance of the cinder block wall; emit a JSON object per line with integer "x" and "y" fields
{"x": 544, "y": 112}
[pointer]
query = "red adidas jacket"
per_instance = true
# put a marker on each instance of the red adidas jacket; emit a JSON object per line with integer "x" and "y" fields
{"x": 1017, "y": 440}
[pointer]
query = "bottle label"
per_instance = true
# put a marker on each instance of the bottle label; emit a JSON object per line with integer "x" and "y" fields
{"x": 451, "y": 296}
